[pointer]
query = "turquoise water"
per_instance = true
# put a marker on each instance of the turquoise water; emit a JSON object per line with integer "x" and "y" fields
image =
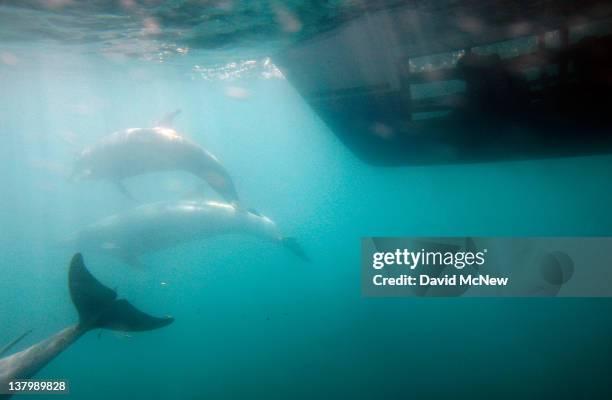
{"x": 252, "y": 320}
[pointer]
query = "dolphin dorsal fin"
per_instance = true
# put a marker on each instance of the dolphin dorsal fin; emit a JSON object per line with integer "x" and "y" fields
{"x": 166, "y": 121}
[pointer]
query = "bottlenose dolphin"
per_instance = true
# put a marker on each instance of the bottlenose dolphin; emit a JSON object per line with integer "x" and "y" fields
{"x": 138, "y": 151}
{"x": 161, "y": 225}
{"x": 98, "y": 307}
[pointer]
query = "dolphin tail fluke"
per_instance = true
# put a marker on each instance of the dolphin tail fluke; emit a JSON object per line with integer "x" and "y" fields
{"x": 292, "y": 244}
{"x": 98, "y": 306}
{"x": 9, "y": 346}
{"x": 166, "y": 121}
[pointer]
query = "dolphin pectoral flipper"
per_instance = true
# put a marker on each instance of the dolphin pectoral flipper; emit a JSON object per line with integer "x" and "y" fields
{"x": 121, "y": 187}
{"x": 166, "y": 121}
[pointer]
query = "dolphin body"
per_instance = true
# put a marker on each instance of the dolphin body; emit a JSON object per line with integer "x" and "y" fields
{"x": 157, "y": 226}
{"x": 98, "y": 307}
{"x": 138, "y": 151}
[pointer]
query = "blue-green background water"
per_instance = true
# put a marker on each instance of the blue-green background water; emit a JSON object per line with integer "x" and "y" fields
{"x": 251, "y": 319}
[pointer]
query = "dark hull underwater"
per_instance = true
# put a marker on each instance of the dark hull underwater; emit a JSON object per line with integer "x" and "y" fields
{"x": 550, "y": 96}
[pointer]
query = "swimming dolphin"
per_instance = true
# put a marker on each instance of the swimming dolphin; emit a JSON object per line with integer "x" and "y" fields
{"x": 138, "y": 151}
{"x": 98, "y": 307}
{"x": 161, "y": 225}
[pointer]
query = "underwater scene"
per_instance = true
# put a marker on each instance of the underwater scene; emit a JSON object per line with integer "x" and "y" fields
{"x": 185, "y": 186}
